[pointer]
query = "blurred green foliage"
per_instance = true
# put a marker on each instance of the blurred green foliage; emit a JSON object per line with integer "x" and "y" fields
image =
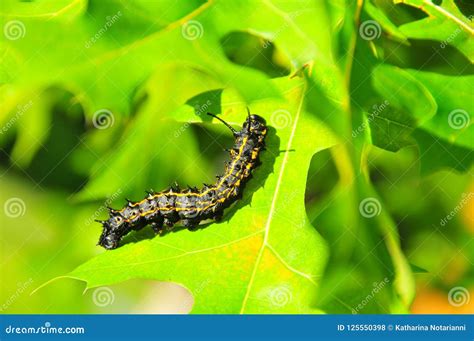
{"x": 371, "y": 113}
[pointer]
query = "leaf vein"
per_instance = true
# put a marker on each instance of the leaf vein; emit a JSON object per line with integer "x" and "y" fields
{"x": 273, "y": 204}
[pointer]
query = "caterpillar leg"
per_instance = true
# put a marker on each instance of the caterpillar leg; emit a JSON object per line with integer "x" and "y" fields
{"x": 156, "y": 223}
{"x": 190, "y": 224}
{"x": 169, "y": 222}
{"x": 218, "y": 216}
{"x": 138, "y": 225}
{"x": 171, "y": 218}
{"x": 157, "y": 228}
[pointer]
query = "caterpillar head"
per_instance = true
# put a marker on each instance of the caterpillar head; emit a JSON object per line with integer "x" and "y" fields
{"x": 112, "y": 232}
{"x": 256, "y": 124}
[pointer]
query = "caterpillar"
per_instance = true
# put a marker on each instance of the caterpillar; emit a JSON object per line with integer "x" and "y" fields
{"x": 162, "y": 210}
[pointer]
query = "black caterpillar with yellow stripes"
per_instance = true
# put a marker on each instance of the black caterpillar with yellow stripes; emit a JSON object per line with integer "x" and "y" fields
{"x": 191, "y": 206}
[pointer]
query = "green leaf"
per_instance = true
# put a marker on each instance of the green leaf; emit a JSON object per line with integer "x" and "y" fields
{"x": 447, "y": 140}
{"x": 381, "y": 18}
{"x": 404, "y": 92}
{"x": 418, "y": 270}
{"x": 270, "y": 258}
{"x": 153, "y": 121}
{"x": 113, "y": 67}
{"x": 406, "y": 103}
{"x": 157, "y": 68}
{"x": 404, "y": 283}
{"x": 48, "y": 9}
{"x": 438, "y": 104}
{"x": 436, "y": 154}
{"x": 445, "y": 23}
{"x": 390, "y": 130}
{"x": 454, "y": 119}
{"x": 103, "y": 67}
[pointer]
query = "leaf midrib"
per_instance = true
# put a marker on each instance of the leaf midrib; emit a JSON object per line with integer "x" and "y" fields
{"x": 265, "y": 242}
{"x": 48, "y": 15}
{"x": 449, "y": 16}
